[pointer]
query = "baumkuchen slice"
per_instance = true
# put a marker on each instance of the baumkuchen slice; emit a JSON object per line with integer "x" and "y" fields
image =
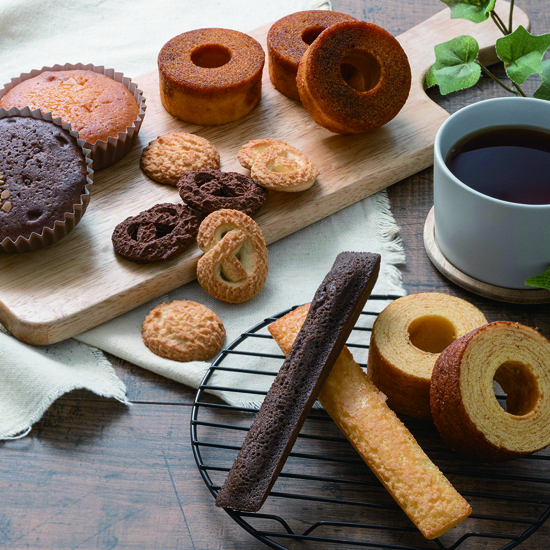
{"x": 407, "y": 338}
{"x": 464, "y": 407}
{"x": 384, "y": 443}
{"x": 334, "y": 311}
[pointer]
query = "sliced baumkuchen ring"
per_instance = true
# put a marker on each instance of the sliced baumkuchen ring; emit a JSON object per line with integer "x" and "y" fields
{"x": 354, "y": 77}
{"x": 210, "y": 76}
{"x": 407, "y": 338}
{"x": 465, "y": 408}
{"x": 288, "y": 39}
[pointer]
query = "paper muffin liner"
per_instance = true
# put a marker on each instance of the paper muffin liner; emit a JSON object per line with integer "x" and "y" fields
{"x": 104, "y": 153}
{"x": 51, "y": 235}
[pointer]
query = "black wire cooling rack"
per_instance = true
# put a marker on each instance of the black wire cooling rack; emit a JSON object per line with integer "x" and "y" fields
{"x": 326, "y": 496}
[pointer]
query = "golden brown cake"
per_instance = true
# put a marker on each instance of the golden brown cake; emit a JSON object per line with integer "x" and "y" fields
{"x": 289, "y": 38}
{"x": 354, "y": 77}
{"x": 407, "y": 338}
{"x": 465, "y": 408}
{"x": 96, "y": 106}
{"x": 384, "y": 443}
{"x": 210, "y": 76}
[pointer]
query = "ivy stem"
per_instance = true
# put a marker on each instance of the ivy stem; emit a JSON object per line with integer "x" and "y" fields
{"x": 499, "y": 23}
{"x": 510, "y": 19}
{"x": 499, "y": 82}
{"x": 516, "y": 86}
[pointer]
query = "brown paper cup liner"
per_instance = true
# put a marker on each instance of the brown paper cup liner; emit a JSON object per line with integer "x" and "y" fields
{"x": 51, "y": 235}
{"x": 104, "y": 153}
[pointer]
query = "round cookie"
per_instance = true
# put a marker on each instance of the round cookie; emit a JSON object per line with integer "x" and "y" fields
{"x": 96, "y": 106}
{"x": 159, "y": 233}
{"x": 464, "y": 406}
{"x": 282, "y": 167}
{"x": 234, "y": 266}
{"x": 210, "y": 190}
{"x": 369, "y": 93}
{"x": 253, "y": 149}
{"x": 406, "y": 340}
{"x": 183, "y": 331}
{"x": 167, "y": 158}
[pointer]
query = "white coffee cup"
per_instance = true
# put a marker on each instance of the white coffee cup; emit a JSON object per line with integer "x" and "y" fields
{"x": 497, "y": 242}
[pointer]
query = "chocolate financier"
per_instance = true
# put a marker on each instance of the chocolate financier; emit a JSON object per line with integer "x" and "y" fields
{"x": 334, "y": 310}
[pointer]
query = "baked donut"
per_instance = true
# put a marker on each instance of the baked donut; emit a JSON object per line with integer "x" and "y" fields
{"x": 464, "y": 407}
{"x": 354, "y": 77}
{"x": 288, "y": 39}
{"x": 407, "y": 338}
{"x": 210, "y": 76}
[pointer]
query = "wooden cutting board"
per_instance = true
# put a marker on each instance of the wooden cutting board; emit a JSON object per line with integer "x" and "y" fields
{"x": 78, "y": 283}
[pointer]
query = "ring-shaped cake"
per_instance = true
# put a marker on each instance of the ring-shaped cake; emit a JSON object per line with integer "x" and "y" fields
{"x": 210, "y": 76}
{"x": 288, "y": 39}
{"x": 354, "y": 77}
{"x": 464, "y": 405}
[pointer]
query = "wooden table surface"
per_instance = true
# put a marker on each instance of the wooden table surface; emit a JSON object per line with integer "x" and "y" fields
{"x": 94, "y": 474}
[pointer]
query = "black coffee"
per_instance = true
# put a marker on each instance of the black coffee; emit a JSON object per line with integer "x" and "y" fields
{"x": 508, "y": 163}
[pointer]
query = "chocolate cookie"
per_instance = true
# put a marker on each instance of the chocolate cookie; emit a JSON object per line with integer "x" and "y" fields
{"x": 156, "y": 234}
{"x": 42, "y": 176}
{"x": 211, "y": 190}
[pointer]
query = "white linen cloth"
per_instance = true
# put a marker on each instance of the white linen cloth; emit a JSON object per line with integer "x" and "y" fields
{"x": 127, "y": 36}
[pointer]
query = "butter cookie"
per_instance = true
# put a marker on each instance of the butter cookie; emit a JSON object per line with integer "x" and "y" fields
{"x": 183, "y": 331}
{"x": 282, "y": 167}
{"x": 234, "y": 266}
{"x": 167, "y": 158}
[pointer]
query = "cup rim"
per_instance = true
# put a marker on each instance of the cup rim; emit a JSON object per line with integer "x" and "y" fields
{"x": 454, "y": 179}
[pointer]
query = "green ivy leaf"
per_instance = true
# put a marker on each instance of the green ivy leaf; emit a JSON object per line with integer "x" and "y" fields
{"x": 540, "y": 281}
{"x": 522, "y": 53}
{"x": 543, "y": 91}
{"x": 455, "y": 67}
{"x": 472, "y": 10}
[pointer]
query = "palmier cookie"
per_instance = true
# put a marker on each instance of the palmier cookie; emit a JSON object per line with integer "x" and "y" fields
{"x": 156, "y": 234}
{"x": 170, "y": 156}
{"x": 183, "y": 331}
{"x": 282, "y": 167}
{"x": 211, "y": 190}
{"x": 234, "y": 266}
{"x": 253, "y": 149}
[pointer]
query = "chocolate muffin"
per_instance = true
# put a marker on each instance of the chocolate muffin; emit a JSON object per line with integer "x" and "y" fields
{"x": 42, "y": 176}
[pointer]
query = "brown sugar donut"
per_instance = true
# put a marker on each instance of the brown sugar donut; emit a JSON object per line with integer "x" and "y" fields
{"x": 288, "y": 39}
{"x": 407, "y": 338}
{"x": 210, "y": 76}
{"x": 354, "y": 77}
{"x": 465, "y": 408}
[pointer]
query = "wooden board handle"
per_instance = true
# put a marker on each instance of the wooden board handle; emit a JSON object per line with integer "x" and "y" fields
{"x": 441, "y": 28}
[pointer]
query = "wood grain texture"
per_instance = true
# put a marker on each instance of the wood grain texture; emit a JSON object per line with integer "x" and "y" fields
{"x": 97, "y": 285}
{"x": 73, "y": 481}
